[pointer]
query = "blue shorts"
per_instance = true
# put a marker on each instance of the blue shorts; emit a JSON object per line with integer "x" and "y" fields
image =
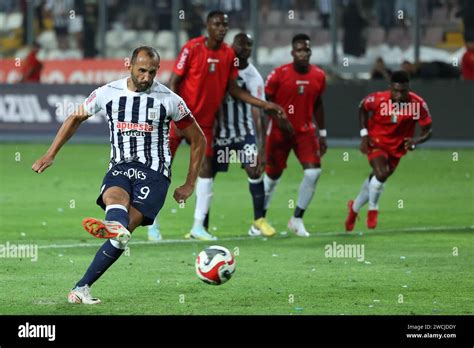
{"x": 234, "y": 150}
{"x": 147, "y": 188}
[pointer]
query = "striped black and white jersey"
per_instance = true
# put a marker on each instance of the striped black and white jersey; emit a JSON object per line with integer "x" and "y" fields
{"x": 235, "y": 118}
{"x": 139, "y": 122}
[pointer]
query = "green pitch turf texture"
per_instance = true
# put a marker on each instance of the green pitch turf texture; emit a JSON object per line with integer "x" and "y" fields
{"x": 418, "y": 261}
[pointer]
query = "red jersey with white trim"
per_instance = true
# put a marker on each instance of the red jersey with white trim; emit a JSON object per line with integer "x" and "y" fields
{"x": 391, "y": 122}
{"x": 205, "y": 74}
{"x": 296, "y": 93}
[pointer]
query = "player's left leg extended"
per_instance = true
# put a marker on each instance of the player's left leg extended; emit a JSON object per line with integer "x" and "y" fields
{"x": 114, "y": 227}
{"x": 307, "y": 150}
{"x": 383, "y": 166}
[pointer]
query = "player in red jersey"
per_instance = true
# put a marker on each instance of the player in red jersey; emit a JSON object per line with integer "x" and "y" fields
{"x": 298, "y": 88}
{"x": 388, "y": 120}
{"x": 206, "y": 68}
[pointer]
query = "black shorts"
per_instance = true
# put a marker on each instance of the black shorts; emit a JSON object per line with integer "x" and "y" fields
{"x": 147, "y": 188}
{"x": 234, "y": 150}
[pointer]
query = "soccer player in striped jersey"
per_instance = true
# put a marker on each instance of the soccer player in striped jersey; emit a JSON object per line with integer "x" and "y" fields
{"x": 139, "y": 111}
{"x": 205, "y": 69}
{"x": 240, "y": 134}
{"x": 298, "y": 87}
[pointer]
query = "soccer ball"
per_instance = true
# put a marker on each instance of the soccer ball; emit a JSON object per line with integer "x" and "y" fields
{"x": 215, "y": 265}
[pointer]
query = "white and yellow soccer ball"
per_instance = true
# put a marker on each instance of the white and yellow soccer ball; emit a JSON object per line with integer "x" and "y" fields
{"x": 215, "y": 265}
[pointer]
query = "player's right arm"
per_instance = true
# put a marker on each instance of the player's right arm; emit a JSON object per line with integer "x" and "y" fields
{"x": 367, "y": 104}
{"x": 180, "y": 68}
{"x": 283, "y": 122}
{"x": 363, "y": 120}
{"x": 197, "y": 141}
{"x": 271, "y": 87}
{"x": 67, "y": 130}
{"x": 185, "y": 122}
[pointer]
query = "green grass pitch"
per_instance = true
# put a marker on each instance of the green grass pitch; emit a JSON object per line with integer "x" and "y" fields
{"x": 418, "y": 261}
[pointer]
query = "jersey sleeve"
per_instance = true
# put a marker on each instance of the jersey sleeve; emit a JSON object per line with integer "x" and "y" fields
{"x": 180, "y": 113}
{"x": 181, "y": 65}
{"x": 425, "y": 116}
{"x": 368, "y": 103}
{"x": 271, "y": 86}
{"x": 92, "y": 104}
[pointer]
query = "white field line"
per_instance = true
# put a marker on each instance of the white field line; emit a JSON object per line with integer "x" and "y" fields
{"x": 328, "y": 234}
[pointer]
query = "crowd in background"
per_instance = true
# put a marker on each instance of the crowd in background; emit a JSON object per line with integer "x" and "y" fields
{"x": 75, "y": 22}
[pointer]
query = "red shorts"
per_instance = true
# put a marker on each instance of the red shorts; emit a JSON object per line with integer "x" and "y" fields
{"x": 175, "y": 140}
{"x": 392, "y": 158}
{"x": 278, "y": 147}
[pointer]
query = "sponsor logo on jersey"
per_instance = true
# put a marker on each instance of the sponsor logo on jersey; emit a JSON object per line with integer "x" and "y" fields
{"x": 182, "y": 58}
{"x": 131, "y": 173}
{"x": 130, "y": 126}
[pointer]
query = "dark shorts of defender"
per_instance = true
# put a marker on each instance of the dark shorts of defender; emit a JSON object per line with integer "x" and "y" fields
{"x": 245, "y": 146}
{"x": 147, "y": 188}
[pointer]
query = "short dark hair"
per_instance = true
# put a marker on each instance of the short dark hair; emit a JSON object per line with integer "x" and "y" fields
{"x": 243, "y": 35}
{"x": 400, "y": 76}
{"x": 150, "y": 51}
{"x": 213, "y": 14}
{"x": 300, "y": 37}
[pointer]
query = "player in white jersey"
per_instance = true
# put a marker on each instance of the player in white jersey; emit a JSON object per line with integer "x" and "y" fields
{"x": 240, "y": 135}
{"x": 139, "y": 111}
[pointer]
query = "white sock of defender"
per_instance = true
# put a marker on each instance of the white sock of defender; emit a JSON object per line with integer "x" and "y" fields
{"x": 375, "y": 190}
{"x": 363, "y": 196}
{"x": 119, "y": 244}
{"x": 307, "y": 187}
{"x": 203, "y": 200}
{"x": 269, "y": 186}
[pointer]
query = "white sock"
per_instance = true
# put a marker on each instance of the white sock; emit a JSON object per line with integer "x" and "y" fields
{"x": 269, "y": 185}
{"x": 362, "y": 197}
{"x": 375, "y": 190}
{"x": 119, "y": 245}
{"x": 307, "y": 187}
{"x": 203, "y": 200}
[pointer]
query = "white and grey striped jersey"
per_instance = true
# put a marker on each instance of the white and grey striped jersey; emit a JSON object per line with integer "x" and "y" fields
{"x": 235, "y": 118}
{"x": 139, "y": 122}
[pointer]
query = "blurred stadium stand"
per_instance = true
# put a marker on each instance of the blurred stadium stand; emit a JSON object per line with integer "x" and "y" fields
{"x": 128, "y": 23}
{"x": 87, "y": 41}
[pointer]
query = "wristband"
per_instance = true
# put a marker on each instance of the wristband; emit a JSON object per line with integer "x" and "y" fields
{"x": 323, "y": 133}
{"x": 364, "y": 132}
